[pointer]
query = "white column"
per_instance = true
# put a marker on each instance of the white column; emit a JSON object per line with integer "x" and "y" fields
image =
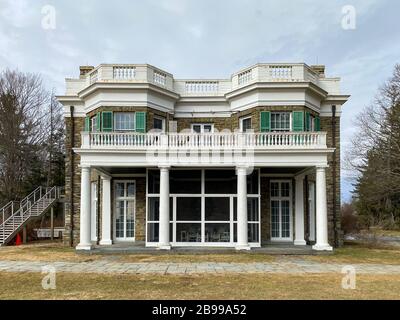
{"x": 85, "y": 243}
{"x": 106, "y": 211}
{"x": 322, "y": 212}
{"x": 164, "y": 209}
{"x": 299, "y": 216}
{"x": 242, "y": 230}
{"x": 311, "y": 200}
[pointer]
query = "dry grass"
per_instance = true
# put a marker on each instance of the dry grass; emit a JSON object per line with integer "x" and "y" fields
{"x": 361, "y": 253}
{"x": 45, "y": 251}
{"x": 210, "y": 287}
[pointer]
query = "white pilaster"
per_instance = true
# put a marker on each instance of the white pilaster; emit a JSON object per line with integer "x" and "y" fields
{"x": 242, "y": 229}
{"x": 322, "y": 212}
{"x": 164, "y": 209}
{"x": 299, "y": 219}
{"x": 311, "y": 200}
{"x": 106, "y": 211}
{"x": 85, "y": 233}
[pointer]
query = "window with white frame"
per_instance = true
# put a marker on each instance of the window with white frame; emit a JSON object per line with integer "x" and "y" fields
{"x": 245, "y": 124}
{"x": 124, "y": 121}
{"x": 159, "y": 123}
{"x": 202, "y": 127}
{"x": 94, "y": 123}
{"x": 280, "y": 121}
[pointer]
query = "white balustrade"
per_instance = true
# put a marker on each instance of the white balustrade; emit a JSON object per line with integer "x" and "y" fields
{"x": 201, "y": 86}
{"x": 160, "y": 78}
{"x": 124, "y": 73}
{"x": 280, "y": 72}
{"x": 267, "y": 140}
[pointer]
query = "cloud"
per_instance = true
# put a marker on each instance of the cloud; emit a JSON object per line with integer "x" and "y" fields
{"x": 206, "y": 39}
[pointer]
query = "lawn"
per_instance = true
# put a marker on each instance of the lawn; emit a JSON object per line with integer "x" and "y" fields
{"x": 351, "y": 253}
{"x": 355, "y": 252}
{"x": 210, "y": 287}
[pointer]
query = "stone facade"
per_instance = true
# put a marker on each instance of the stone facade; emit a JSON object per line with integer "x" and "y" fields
{"x": 220, "y": 123}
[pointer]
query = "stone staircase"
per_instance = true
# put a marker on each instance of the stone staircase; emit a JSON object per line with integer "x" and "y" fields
{"x": 15, "y": 215}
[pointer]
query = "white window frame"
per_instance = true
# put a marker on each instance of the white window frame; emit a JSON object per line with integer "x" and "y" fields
{"x": 241, "y": 123}
{"x": 203, "y": 221}
{"x": 124, "y": 198}
{"x": 115, "y": 121}
{"x": 163, "y": 122}
{"x": 290, "y": 121}
{"x": 280, "y": 198}
{"x": 93, "y": 123}
{"x": 202, "y": 127}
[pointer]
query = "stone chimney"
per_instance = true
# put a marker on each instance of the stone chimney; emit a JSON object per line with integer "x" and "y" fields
{"x": 320, "y": 69}
{"x": 83, "y": 70}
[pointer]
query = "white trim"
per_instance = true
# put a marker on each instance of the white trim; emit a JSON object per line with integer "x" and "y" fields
{"x": 280, "y": 198}
{"x": 94, "y": 213}
{"x": 203, "y": 222}
{"x": 311, "y": 210}
{"x": 124, "y": 198}
{"x": 241, "y": 122}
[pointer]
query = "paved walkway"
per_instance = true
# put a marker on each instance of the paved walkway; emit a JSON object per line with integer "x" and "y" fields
{"x": 281, "y": 265}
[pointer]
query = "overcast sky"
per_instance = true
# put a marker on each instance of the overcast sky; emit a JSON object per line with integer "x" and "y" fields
{"x": 206, "y": 39}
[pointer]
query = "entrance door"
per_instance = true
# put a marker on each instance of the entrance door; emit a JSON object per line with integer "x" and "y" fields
{"x": 281, "y": 211}
{"x": 124, "y": 221}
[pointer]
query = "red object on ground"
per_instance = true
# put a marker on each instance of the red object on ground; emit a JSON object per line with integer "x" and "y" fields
{"x": 18, "y": 240}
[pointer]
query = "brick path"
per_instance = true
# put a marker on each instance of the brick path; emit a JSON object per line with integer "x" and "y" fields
{"x": 280, "y": 265}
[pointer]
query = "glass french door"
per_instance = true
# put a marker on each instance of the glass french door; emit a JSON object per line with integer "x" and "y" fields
{"x": 124, "y": 221}
{"x": 281, "y": 217}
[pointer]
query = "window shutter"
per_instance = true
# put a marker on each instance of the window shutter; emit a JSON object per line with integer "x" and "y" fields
{"x": 87, "y": 124}
{"x": 308, "y": 121}
{"x": 98, "y": 121}
{"x": 317, "y": 124}
{"x": 265, "y": 121}
{"x": 140, "y": 121}
{"x": 298, "y": 120}
{"x": 107, "y": 121}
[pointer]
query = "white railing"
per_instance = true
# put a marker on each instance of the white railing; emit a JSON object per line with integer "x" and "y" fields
{"x": 201, "y": 87}
{"x": 268, "y": 140}
{"x": 124, "y": 73}
{"x": 94, "y": 76}
{"x": 245, "y": 77}
{"x": 16, "y": 217}
{"x": 280, "y": 72}
{"x": 160, "y": 78}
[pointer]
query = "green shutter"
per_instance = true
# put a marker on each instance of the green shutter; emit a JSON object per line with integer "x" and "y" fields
{"x": 98, "y": 122}
{"x": 107, "y": 121}
{"x": 298, "y": 120}
{"x": 265, "y": 121}
{"x": 87, "y": 124}
{"x": 140, "y": 121}
{"x": 308, "y": 121}
{"x": 317, "y": 124}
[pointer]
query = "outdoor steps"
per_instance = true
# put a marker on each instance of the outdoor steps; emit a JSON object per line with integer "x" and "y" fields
{"x": 34, "y": 205}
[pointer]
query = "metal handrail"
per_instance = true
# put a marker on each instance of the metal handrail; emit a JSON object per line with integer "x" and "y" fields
{"x": 24, "y": 211}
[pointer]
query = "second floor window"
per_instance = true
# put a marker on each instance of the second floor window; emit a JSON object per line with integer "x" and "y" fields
{"x": 124, "y": 121}
{"x": 245, "y": 124}
{"x": 203, "y": 127}
{"x": 159, "y": 123}
{"x": 280, "y": 121}
{"x": 94, "y": 123}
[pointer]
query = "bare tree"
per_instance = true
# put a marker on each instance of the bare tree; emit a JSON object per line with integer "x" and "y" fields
{"x": 22, "y": 101}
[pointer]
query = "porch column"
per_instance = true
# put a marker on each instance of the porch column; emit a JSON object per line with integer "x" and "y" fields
{"x": 321, "y": 214}
{"x": 164, "y": 209}
{"x": 106, "y": 211}
{"x": 242, "y": 229}
{"x": 85, "y": 242}
{"x": 299, "y": 218}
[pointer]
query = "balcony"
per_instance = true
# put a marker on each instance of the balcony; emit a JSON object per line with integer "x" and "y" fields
{"x": 205, "y": 141}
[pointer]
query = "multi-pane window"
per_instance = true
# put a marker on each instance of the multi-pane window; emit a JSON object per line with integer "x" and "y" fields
{"x": 94, "y": 123}
{"x": 124, "y": 121}
{"x": 245, "y": 124}
{"x": 280, "y": 121}
{"x": 159, "y": 123}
